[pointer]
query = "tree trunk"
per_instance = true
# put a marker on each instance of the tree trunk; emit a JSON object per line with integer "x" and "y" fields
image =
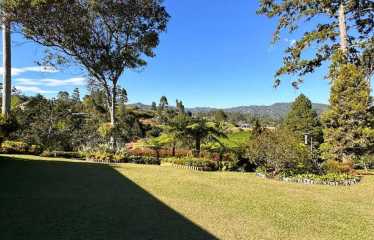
{"x": 343, "y": 29}
{"x": 112, "y": 113}
{"x": 173, "y": 150}
{"x": 7, "y": 66}
{"x": 197, "y": 147}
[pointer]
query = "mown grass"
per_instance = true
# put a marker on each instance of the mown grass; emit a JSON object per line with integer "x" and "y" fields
{"x": 236, "y": 139}
{"x": 74, "y": 200}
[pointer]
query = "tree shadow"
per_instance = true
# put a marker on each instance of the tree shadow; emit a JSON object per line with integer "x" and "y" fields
{"x": 66, "y": 200}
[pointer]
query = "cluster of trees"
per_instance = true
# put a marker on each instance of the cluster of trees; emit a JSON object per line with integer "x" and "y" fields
{"x": 108, "y": 38}
{"x": 342, "y": 34}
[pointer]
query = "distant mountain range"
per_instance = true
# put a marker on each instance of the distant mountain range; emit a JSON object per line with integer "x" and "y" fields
{"x": 276, "y": 111}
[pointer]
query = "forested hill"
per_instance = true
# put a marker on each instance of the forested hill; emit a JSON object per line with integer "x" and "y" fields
{"x": 275, "y": 111}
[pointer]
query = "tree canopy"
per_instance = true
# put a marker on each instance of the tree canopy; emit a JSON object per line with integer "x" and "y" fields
{"x": 327, "y": 20}
{"x": 302, "y": 119}
{"x": 106, "y": 37}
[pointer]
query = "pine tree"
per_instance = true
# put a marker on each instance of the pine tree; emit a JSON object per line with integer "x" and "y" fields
{"x": 327, "y": 26}
{"x": 302, "y": 119}
{"x": 76, "y": 96}
{"x": 349, "y": 125}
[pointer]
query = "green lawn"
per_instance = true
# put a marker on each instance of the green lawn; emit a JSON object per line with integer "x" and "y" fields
{"x": 236, "y": 139}
{"x": 57, "y": 199}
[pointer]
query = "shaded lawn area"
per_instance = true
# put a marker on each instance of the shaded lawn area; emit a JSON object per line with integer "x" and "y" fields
{"x": 59, "y": 199}
{"x": 74, "y": 200}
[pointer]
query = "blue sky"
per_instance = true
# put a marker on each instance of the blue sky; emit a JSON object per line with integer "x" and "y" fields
{"x": 215, "y": 53}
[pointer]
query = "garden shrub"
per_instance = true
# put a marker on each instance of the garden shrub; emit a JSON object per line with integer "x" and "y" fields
{"x": 119, "y": 156}
{"x": 19, "y": 147}
{"x": 332, "y": 166}
{"x": 62, "y": 154}
{"x": 204, "y": 164}
{"x": 280, "y": 152}
{"x": 329, "y": 178}
{"x": 365, "y": 162}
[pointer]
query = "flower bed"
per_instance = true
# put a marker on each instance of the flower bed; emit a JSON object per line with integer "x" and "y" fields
{"x": 331, "y": 179}
{"x": 62, "y": 154}
{"x": 192, "y": 163}
{"x": 101, "y": 156}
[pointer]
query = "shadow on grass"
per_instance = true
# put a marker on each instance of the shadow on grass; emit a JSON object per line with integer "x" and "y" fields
{"x": 64, "y": 200}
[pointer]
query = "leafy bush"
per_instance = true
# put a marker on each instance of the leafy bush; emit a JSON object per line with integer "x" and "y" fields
{"x": 204, "y": 164}
{"x": 121, "y": 155}
{"x": 164, "y": 153}
{"x": 229, "y": 165}
{"x": 19, "y": 147}
{"x": 332, "y": 166}
{"x": 7, "y": 126}
{"x": 62, "y": 154}
{"x": 280, "y": 152}
{"x": 365, "y": 162}
{"x": 336, "y": 178}
{"x": 143, "y": 160}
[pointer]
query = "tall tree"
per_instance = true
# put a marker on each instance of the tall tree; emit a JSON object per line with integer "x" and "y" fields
{"x": 337, "y": 24}
{"x": 349, "y": 122}
{"x": 106, "y": 37}
{"x": 7, "y": 65}
{"x": 302, "y": 119}
{"x": 76, "y": 95}
{"x": 163, "y": 103}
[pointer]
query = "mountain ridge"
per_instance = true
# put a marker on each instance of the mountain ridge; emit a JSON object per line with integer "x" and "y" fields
{"x": 276, "y": 110}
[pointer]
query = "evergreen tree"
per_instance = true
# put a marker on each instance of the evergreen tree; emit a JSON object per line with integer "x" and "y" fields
{"x": 302, "y": 119}
{"x": 180, "y": 107}
{"x": 163, "y": 103}
{"x": 345, "y": 24}
{"x": 220, "y": 116}
{"x": 76, "y": 96}
{"x": 349, "y": 126}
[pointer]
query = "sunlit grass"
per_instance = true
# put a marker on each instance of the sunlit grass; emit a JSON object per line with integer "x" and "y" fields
{"x": 242, "y": 206}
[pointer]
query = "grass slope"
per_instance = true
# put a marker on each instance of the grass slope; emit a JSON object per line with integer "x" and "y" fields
{"x": 58, "y": 199}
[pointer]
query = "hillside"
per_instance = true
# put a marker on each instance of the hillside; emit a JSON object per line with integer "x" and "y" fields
{"x": 276, "y": 110}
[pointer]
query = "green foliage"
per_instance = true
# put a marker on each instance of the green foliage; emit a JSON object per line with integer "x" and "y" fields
{"x": 61, "y": 154}
{"x": 336, "y": 178}
{"x": 331, "y": 166}
{"x": 349, "y": 123}
{"x": 7, "y": 126}
{"x": 302, "y": 119}
{"x": 280, "y": 152}
{"x": 220, "y": 116}
{"x": 321, "y": 37}
{"x": 19, "y": 147}
{"x": 204, "y": 164}
{"x": 199, "y": 130}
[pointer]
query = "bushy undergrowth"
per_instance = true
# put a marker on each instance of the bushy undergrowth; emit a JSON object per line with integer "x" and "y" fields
{"x": 204, "y": 164}
{"x": 280, "y": 152}
{"x": 164, "y": 153}
{"x": 119, "y": 156}
{"x": 19, "y": 147}
{"x": 62, "y": 154}
{"x": 329, "y": 177}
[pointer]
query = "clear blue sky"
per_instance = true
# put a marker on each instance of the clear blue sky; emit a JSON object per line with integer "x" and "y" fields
{"x": 215, "y": 53}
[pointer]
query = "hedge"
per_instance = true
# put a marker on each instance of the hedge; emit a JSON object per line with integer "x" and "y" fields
{"x": 198, "y": 163}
